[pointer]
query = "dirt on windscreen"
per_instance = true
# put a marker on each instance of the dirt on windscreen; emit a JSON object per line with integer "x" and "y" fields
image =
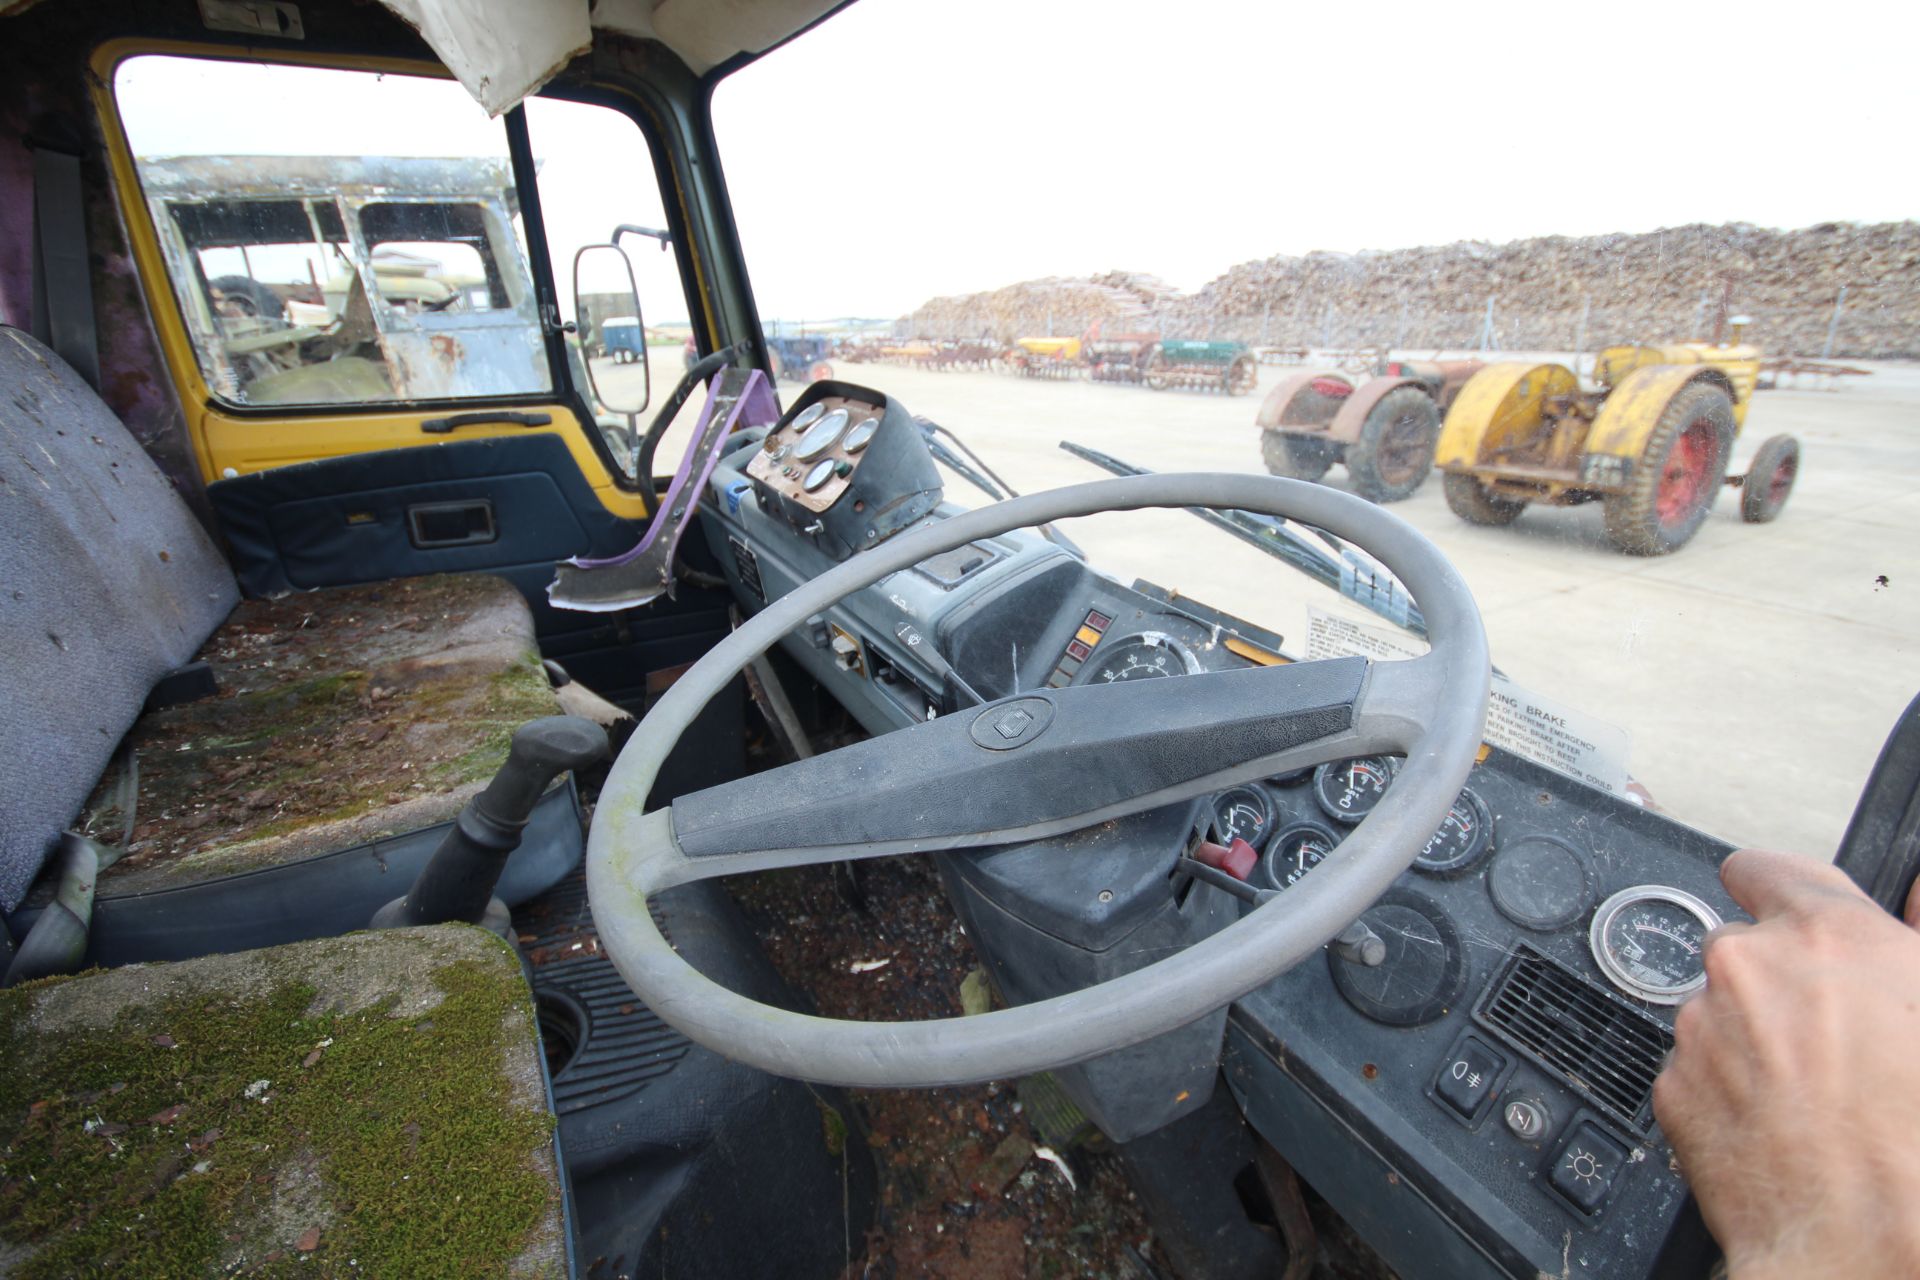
{"x": 966, "y": 1186}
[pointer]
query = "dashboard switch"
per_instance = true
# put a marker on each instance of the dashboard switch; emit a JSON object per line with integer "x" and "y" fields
{"x": 1468, "y": 1075}
{"x": 1237, "y": 859}
{"x": 1527, "y": 1119}
{"x": 1587, "y": 1165}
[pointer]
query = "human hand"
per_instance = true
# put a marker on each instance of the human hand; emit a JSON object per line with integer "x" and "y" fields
{"x": 1793, "y": 1093}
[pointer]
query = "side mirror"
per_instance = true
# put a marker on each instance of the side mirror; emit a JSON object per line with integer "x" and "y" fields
{"x": 613, "y": 340}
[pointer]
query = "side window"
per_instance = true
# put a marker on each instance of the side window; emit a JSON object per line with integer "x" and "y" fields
{"x": 362, "y": 247}
{"x": 596, "y": 174}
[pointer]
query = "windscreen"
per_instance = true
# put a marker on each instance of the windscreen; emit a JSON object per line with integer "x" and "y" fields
{"x": 1619, "y": 313}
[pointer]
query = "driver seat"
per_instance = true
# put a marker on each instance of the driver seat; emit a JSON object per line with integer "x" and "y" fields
{"x": 271, "y": 770}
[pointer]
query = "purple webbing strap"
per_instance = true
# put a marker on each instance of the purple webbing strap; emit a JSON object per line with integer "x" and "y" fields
{"x": 756, "y": 400}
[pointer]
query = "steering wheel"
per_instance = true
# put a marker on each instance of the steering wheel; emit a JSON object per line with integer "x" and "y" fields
{"x": 1040, "y": 763}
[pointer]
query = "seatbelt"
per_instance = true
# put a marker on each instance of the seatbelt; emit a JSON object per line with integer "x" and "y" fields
{"x": 62, "y": 277}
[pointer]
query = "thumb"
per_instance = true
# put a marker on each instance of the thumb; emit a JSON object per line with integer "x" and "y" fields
{"x": 1913, "y": 905}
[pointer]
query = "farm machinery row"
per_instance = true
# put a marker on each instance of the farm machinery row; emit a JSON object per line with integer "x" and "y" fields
{"x": 1650, "y": 439}
{"x": 1139, "y": 358}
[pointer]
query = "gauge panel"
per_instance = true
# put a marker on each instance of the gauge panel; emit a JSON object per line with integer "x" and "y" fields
{"x": 834, "y": 430}
{"x": 1650, "y": 941}
{"x": 1350, "y": 789}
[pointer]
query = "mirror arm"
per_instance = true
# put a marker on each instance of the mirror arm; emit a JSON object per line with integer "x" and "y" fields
{"x": 628, "y": 229}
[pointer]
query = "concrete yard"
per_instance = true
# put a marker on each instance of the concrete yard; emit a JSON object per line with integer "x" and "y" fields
{"x": 1757, "y": 670}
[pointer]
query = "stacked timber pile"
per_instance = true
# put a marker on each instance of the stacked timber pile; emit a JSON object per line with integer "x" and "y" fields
{"x": 1055, "y": 307}
{"x": 1663, "y": 285}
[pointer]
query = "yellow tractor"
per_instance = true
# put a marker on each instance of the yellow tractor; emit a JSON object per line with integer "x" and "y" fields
{"x": 1651, "y": 442}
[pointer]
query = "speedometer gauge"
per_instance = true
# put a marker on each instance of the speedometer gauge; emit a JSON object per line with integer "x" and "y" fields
{"x": 1462, "y": 840}
{"x": 1243, "y": 813}
{"x": 820, "y": 436}
{"x": 1140, "y": 657}
{"x": 1349, "y": 789}
{"x": 1650, "y": 941}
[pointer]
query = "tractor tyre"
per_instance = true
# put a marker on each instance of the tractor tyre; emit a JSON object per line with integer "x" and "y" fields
{"x": 1477, "y": 504}
{"x": 1295, "y": 456}
{"x": 1678, "y": 476}
{"x": 1769, "y": 479}
{"x": 821, "y": 371}
{"x": 250, "y": 297}
{"x": 1157, "y": 378}
{"x": 1394, "y": 451}
{"x": 1243, "y": 375}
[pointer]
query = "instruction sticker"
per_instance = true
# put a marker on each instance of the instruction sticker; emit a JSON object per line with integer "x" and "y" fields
{"x": 1543, "y": 730}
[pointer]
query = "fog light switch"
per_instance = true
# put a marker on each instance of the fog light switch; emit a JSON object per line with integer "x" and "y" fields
{"x": 1468, "y": 1076}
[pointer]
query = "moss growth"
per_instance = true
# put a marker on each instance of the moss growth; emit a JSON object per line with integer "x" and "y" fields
{"x": 512, "y": 697}
{"x": 137, "y": 1150}
{"x": 833, "y": 1127}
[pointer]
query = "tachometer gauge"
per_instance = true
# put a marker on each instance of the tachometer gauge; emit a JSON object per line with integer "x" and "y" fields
{"x": 861, "y": 435}
{"x": 1650, "y": 941}
{"x": 1349, "y": 789}
{"x": 1296, "y": 850}
{"x": 820, "y": 436}
{"x": 807, "y": 416}
{"x": 1141, "y": 657}
{"x": 1244, "y": 813}
{"x": 1462, "y": 840}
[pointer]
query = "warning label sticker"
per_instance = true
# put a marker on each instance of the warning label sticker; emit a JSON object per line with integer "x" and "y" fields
{"x": 1529, "y": 725}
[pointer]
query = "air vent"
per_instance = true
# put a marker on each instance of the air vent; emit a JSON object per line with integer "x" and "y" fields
{"x": 749, "y": 566}
{"x": 1607, "y": 1050}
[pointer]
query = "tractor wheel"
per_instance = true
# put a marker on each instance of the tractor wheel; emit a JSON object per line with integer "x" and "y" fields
{"x": 1156, "y": 376}
{"x": 1477, "y": 504}
{"x": 1769, "y": 479}
{"x": 1394, "y": 452}
{"x": 1295, "y": 456}
{"x": 243, "y": 295}
{"x": 820, "y": 372}
{"x": 1243, "y": 375}
{"x": 1677, "y": 477}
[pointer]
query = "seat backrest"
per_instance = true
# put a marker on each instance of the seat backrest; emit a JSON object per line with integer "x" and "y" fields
{"x": 107, "y": 582}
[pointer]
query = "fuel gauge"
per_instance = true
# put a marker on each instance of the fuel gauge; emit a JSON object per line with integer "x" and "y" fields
{"x": 1462, "y": 840}
{"x": 1242, "y": 813}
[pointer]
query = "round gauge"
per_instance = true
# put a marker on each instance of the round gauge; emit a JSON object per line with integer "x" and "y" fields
{"x": 1462, "y": 840}
{"x": 821, "y": 473}
{"x": 1651, "y": 940}
{"x": 1291, "y": 776}
{"x": 1296, "y": 850}
{"x": 807, "y": 416}
{"x": 861, "y": 435}
{"x": 1425, "y": 972}
{"x": 1540, "y": 882}
{"x": 1349, "y": 789}
{"x": 1141, "y": 657}
{"x": 820, "y": 436}
{"x": 1243, "y": 813}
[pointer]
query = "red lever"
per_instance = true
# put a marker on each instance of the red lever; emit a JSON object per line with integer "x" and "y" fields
{"x": 1237, "y": 859}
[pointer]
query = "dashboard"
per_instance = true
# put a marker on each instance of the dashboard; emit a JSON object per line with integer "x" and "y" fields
{"x": 1478, "y": 1102}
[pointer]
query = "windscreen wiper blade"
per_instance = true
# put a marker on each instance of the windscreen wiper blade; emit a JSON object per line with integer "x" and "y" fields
{"x": 1348, "y": 571}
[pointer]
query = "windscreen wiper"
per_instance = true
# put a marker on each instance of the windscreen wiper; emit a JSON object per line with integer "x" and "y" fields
{"x": 948, "y": 448}
{"x": 1353, "y": 574}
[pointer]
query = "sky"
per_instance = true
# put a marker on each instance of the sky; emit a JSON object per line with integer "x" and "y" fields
{"x": 901, "y": 151}
{"x": 996, "y": 140}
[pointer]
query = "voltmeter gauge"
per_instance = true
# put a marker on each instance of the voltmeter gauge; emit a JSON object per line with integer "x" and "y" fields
{"x": 1142, "y": 657}
{"x": 1243, "y": 813}
{"x": 1462, "y": 840}
{"x": 1296, "y": 850}
{"x": 1651, "y": 942}
{"x": 820, "y": 436}
{"x": 861, "y": 435}
{"x": 1349, "y": 789}
{"x": 807, "y": 416}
